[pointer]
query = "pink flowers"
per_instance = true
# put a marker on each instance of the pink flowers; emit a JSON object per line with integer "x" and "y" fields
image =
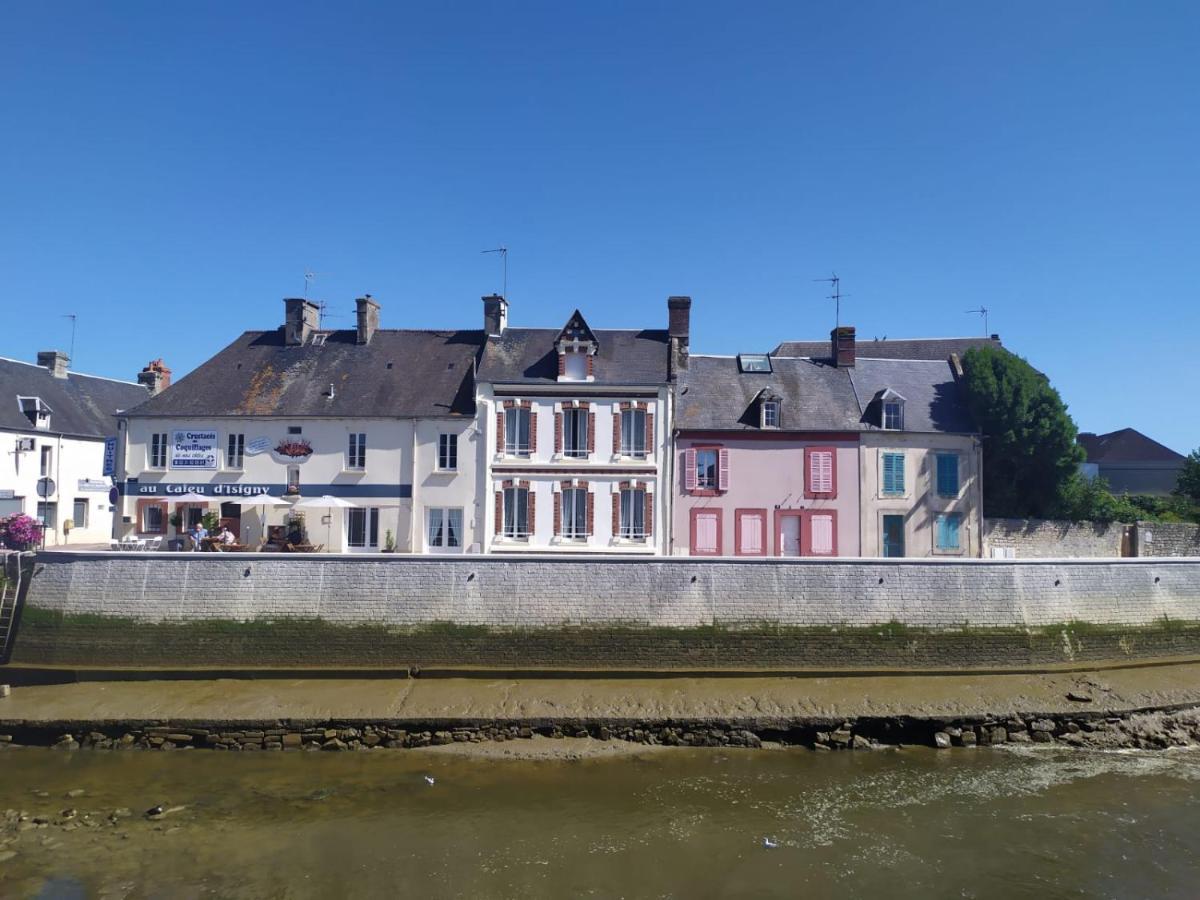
{"x": 20, "y": 532}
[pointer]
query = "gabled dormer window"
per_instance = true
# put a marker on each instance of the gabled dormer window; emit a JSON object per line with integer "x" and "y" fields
{"x": 576, "y": 346}
{"x": 891, "y": 410}
{"x": 770, "y": 412}
{"x": 36, "y": 411}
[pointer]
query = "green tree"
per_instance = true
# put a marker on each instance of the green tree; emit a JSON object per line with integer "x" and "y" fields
{"x": 1189, "y": 478}
{"x": 1030, "y": 457}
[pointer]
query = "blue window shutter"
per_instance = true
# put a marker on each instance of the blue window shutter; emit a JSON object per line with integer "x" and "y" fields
{"x": 893, "y": 473}
{"x": 952, "y": 523}
{"x": 942, "y": 532}
{"x": 947, "y": 475}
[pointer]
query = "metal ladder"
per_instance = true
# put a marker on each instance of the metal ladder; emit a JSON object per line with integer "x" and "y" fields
{"x": 10, "y": 589}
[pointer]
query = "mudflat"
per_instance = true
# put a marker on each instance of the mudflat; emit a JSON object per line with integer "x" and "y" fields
{"x": 484, "y": 698}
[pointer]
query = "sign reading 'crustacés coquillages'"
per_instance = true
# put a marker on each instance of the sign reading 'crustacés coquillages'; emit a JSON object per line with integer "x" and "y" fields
{"x": 193, "y": 450}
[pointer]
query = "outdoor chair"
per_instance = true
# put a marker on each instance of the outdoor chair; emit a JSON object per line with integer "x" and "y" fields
{"x": 153, "y": 543}
{"x": 114, "y": 544}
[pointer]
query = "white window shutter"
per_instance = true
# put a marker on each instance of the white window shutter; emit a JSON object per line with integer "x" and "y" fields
{"x": 689, "y": 470}
{"x": 723, "y": 470}
{"x": 822, "y": 535}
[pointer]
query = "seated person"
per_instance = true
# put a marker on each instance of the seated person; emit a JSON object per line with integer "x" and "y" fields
{"x": 198, "y": 534}
{"x": 295, "y": 535}
{"x": 226, "y": 536}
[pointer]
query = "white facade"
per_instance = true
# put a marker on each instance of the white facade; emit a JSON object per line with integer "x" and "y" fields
{"x": 546, "y": 469}
{"x": 78, "y": 510}
{"x": 368, "y": 462}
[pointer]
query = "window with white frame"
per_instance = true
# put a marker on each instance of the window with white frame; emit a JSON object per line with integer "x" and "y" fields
{"x": 706, "y": 469}
{"x": 575, "y": 366}
{"x": 445, "y": 527}
{"x": 633, "y": 433}
{"x": 516, "y": 430}
{"x": 36, "y": 411}
{"x": 516, "y": 512}
{"x": 447, "y": 460}
{"x": 235, "y": 451}
{"x": 575, "y": 432}
{"x": 158, "y": 451}
{"x": 153, "y": 519}
{"x": 633, "y": 514}
{"x": 574, "y": 513}
{"x": 356, "y": 453}
{"x": 770, "y": 414}
{"x": 80, "y": 513}
{"x": 47, "y": 460}
{"x": 893, "y": 415}
{"x": 892, "y": 476}
{"x": 293, "y": 479}
{"x": 47, "y": 513}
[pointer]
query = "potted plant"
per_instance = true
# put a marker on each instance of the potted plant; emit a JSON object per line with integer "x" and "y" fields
{"x": 20, "y": 532}
{"x": 389, "y": 542}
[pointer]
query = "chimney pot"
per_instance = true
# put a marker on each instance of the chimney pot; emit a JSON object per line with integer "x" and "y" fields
{"x": 301, "y": 318}
{"x": 495, "y": 315}
{"x": 55, "y": 361}
{"x": 679, "y": 317}
{"x": 368, "y": 319}
{"x": 842, "y": 339}
{"x": 155, "y": 378}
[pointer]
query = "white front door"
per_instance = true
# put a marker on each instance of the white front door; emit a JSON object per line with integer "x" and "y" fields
{"x": 789, "y": 536}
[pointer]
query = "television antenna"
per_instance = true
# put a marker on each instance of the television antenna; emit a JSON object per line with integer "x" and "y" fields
{"x": 503, "y": 251}
{"x": 72, "y": 317}
{"x": 982, "y": 312}
{"x": 309, "y": 277}
{"x": 836, "y": 297}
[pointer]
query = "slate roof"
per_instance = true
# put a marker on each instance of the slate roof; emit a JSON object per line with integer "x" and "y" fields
{"x": 816, "y": 396}
{"x": 80, "y": 405}
{"x": 430, "y": 374}
{"x": 527, "y": 356}
{"x": 907, "y": 348}
{"x": 1126, "y": 445}
{"x": 933, "y": 400}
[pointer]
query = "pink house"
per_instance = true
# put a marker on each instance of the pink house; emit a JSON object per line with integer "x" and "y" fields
{"x": 767, "y": 459}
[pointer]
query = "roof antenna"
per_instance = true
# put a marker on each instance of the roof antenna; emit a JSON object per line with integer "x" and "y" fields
{"x": 836, "y": 297}
{"x": 309, "y": 277}
{"x": 503, "y": 251}
{"x": 72, "y": 317}
{"x": 983, "y": 313}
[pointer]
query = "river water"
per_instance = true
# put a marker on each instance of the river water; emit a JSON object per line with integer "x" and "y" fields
{"x": 1021, "y": 822}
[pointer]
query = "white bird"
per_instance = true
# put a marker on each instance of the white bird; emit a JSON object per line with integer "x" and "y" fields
{"x": 769, "y": 844}
{"x": 429, "y": 779}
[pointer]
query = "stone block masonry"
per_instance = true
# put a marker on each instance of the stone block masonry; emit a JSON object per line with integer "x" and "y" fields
{"x": 1051, "y": 539}
{"x": 1168, "y": 539}
{"x": 264, "y": 611}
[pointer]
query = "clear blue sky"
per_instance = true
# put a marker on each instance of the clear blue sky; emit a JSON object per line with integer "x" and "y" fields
{"x": 168, "y": 171}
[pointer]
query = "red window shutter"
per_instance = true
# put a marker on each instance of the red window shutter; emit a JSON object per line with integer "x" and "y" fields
{"x": 500, "y": 432}
{"x": 532, "y": 509}
{"x": 649, "y": 501}
{"x": 616, "y": 517}
{"x": 558, "y": 514}
{"x": 649, "y": 433}
{"x": 722, "y": 470}
{"x": 689, "y": 470}
{"x": 499, "y": 512}
{"x": 558, "y": 432}
{"x": 616, "y": 434}
{"x": 591, "y": 432}
{"x": 562, "y": 363}
{"x": 591, "y": 514}
{"x": 532, "y": 436}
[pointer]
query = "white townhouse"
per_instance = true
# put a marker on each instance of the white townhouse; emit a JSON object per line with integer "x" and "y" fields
{"x": 382, "y": 420}
{"x": 55, "y": 426}
{"x": 575, "y": 431}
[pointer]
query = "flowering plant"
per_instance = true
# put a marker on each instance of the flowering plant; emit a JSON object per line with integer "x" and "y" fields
{"x": 20, "y": 532}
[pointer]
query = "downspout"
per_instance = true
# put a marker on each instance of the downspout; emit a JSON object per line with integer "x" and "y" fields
{"x": 412, "y": 517}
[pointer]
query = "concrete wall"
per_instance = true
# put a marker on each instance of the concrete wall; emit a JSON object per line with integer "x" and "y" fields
{"x": 237, "y": 610}
{"x": 1044, "y": 538}
{"x": 1168, "y": 539}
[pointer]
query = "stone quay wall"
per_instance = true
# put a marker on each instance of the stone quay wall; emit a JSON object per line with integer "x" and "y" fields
{"x": 261, "y": 611}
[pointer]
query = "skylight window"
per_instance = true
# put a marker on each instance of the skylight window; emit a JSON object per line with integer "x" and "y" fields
{"x": 754, "y": 362}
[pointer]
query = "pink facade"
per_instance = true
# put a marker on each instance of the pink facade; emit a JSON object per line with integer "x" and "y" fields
{"x": 766, "y": 494}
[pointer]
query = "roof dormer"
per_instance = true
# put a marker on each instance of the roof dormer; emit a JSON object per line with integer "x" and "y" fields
{"x": 36, "y": 411}
{"x": 891, "y": 410}
{"x": 576, "y": 346}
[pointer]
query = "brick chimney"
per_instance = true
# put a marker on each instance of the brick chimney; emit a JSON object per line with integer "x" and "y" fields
{"x": 301, "y": 319}
{"x": 368, "y": 318}
{"x": 155, "y": 378}
{"x": 679, "y": 319}
{"x": 55, "y": 361}
{"x": 842, "y": 339}
{"x": 495, "y": 315}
